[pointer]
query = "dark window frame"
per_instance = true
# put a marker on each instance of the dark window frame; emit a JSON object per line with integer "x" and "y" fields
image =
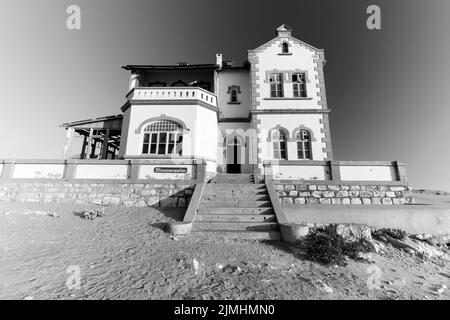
{"x": 299, "y": 85}
{"x": 279, "y": 144}
{"x": 276, "y": 85}
{"x": 304, "y": 147}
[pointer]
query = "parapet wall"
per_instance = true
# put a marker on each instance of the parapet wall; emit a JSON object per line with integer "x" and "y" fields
{"x": 121, "y": 171}
{"x": 336, "y": 171}
{"x": 343, "y": 193}
{"x": 167, "y": 194}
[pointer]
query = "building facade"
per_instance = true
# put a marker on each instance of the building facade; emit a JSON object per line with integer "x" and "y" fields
{"x": 234, "y": 118}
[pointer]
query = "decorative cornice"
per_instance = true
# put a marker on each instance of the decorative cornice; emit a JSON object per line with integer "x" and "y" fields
{"x": 290, "y": 111}
{"x": 168, "y": 102}
{"x": 234, "y": 120}
{"x": 288, "y": 98}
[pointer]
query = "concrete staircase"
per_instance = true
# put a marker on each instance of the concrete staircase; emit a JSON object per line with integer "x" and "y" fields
{"x": 232, "y": 205}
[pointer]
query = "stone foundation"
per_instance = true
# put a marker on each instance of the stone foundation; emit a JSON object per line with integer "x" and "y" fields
{"x": 343, "y": 194}
{"x": 138, "y": 195}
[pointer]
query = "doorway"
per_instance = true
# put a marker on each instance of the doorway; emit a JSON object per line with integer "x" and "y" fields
{"x": 234, "y": 155}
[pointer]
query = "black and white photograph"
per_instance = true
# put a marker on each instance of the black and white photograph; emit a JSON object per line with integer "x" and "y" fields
{"x": 225, "y": 156}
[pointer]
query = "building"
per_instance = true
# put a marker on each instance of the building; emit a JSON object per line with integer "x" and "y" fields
{"x": 267, "y": 117}
{"x": 182, "y": 125}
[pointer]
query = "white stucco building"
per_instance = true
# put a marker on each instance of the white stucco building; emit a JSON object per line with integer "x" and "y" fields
{"x": 273, "y": 107}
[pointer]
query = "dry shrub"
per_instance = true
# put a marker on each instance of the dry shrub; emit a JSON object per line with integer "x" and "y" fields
{"x": 393, "y": 233}
{"x": 326, "y": 247}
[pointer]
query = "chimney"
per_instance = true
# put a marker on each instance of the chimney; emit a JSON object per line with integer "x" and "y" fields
{"x": 284, "y": 31}
{"x": 219, "y": 59}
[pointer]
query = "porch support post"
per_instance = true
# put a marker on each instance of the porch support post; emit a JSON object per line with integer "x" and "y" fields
{"x": 134, "y": 80}
{"x": 83, "y": 148}
{"x": 89, "y": 149}
{"x": 105, "y": 145}
{"x": 69, "y": 138}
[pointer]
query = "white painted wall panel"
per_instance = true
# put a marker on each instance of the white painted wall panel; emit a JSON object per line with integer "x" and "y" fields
{"x": 375, "y": 173}
{"x": 98, "y": 171}
{"x": 36, "y": 171}
{"x": 296, "y": 172}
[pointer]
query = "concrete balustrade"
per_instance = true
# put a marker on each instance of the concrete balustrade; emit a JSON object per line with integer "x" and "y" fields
{"x": 391, "y": 172}
{"x": 105, "y": 170}
{"x": 173, "y": 93}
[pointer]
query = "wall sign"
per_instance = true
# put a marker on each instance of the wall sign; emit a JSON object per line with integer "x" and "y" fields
{"x": 169, "y": 170}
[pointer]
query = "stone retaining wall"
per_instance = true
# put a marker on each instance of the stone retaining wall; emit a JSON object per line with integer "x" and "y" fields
{"x": 343, "y": 194}
{"x": 138, "y": 195}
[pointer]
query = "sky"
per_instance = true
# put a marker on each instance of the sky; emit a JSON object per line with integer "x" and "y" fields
{"x": 388, "y": 89}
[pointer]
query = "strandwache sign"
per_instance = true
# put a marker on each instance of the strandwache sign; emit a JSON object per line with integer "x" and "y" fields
{"x": 170, "y": 170}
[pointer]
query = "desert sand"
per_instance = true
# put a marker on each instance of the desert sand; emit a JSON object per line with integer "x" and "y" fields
{"x": 127, "y": 255}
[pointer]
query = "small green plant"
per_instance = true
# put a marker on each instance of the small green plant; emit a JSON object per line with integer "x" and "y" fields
{"x": 325, "y": 246}
{"x": 92, "y": 214}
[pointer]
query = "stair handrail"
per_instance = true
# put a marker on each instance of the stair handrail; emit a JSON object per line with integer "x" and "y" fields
{"x": 276, "y": 205}
{"x": 185, "y": 227}
{"x": 194, "y": 203}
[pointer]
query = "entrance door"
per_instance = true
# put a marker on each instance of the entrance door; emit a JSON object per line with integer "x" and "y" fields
{"x": 234, "y": 156}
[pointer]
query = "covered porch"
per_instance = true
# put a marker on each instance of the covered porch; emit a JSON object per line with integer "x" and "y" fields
{"x": 100, "y": 138}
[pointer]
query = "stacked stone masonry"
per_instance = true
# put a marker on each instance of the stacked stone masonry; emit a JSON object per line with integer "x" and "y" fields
{"x": 131, "y": 195}
{"x": 343, "y": 194}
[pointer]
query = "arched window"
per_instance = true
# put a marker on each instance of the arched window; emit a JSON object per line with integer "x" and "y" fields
{"x": 284, "y": 48}
{"x": 303, "y": 138}
{"x": 163, "y": 138}
{"x": 279, "y": 144}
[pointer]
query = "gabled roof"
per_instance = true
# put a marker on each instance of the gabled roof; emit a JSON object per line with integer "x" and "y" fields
{"x": 287, "y": 29}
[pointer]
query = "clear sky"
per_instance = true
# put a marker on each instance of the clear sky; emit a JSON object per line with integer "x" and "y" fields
{"x": 388, "y": 90}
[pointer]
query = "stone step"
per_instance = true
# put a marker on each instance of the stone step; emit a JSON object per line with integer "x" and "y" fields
{"x": 264, "y": 210}
{"x": 249, "y": 218}
{"x": 235, "y": 186}
{"x": 247, "y": 235}
{"x": 235, "y": 196}
{"x": 226, "y": 180}
{"x": 234, "y": 176}
{"x": 234, "y": 204}
{"x": 236, "y": 226}
{"x": 237, "y": 192}
{"x": 234, "y": 182}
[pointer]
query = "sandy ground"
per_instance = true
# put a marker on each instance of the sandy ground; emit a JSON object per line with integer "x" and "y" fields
{"x": 126, "y": 255}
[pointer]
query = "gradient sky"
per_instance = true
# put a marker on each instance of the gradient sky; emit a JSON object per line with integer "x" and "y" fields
{"x": 388, "y": 89}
